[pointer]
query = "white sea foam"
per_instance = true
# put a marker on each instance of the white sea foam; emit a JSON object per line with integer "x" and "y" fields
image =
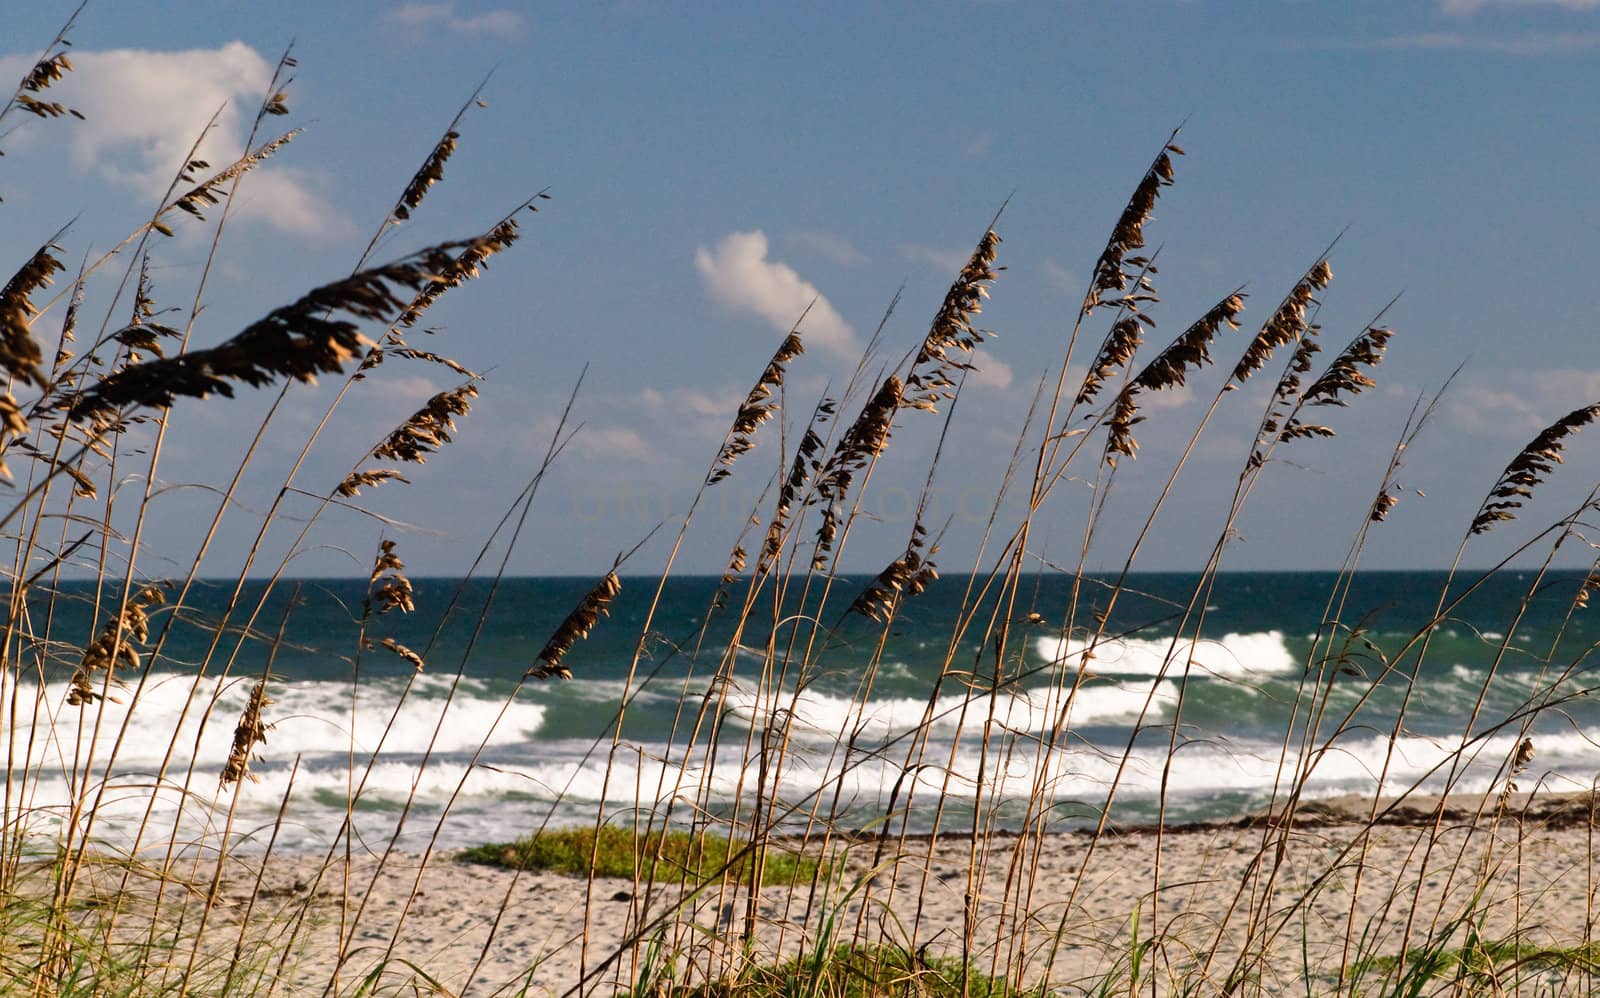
{"x": 1228, "y": 657}
{"x": 827, "y": 718}
{"x": 307, "y": 718}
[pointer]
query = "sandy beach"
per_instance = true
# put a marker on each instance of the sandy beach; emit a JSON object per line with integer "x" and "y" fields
{"x": 473, "y": 929}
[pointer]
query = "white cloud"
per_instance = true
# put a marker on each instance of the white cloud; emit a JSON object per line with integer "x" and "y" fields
{"x": 989, "y": 371}
{"x": 444, "y": 15}
{"x": 697, "y": 413}
{"x": 947, "y": 262}
{"x": 1525, "y": 44}
{"x": 590, "y": 442}
{"x": 1465, "y": 7}
{"x": 833, "y": 248}
{"x": 144, "y": 110}
{"x": 1060, "y": 279}
{"x": 1521, "y": 403}
{"x": 738, "y": 275}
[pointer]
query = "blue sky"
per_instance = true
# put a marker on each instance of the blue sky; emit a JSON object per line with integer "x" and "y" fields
{"x": 714, "y": 167}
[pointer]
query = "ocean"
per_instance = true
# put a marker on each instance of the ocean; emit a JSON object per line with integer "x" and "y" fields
{"x": 458, "y": 753}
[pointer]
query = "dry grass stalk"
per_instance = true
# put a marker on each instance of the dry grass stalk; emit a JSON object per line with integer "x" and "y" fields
{"x": 297, "y": 341}
{"x": 577, "y": 626}
{"x": 143, "y": 333}
{"x": 358, "y": 480}
{"x": 1115, "y": 270}
{"x": 390, "y": 644}
{"x": 909, "y": 575}
{"x": 210, "y": 192}
{"x": 410, "y": 353}
{"x": 736, "y": 564}
{"x": 247, "y": 734}
{"x": 1191, "y": 350}
{"x": 1528, "y": 468}
{"x": 431, "y": 172}
{"x": 47, "y": 71}
{"x": 1342, "y": 377}
{"x": 428, "y": 429}
{"x": 115, "y": 647}
{"x": 756, "y": 409}
{"x": 932, "y": 374}
{"x": 388, "y": 588}
{"x": 20, "y": 355}
{"x": 1591, "y": 584}
{"x": 1122, "y": 339}
{"x": 1520, "y": 758}
{"x": 1386, "y": 501}
{"x": 864, "y": 440}
{"x": 804, "y": 465}
{"x": 465, "y": 266}
{"x": 1287, "y": 324}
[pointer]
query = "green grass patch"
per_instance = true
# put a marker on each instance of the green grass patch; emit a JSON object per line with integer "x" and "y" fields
{"x": 1481, "y": 962}
{"x": 855, "y": 972}
{"x": 672, "y": 856}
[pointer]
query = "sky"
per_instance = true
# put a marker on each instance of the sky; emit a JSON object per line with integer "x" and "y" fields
{"x": 716, "y": 169}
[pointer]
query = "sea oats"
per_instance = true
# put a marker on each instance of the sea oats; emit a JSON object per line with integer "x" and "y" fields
{"x": 1115, "y": 269}
{"x": 358, "y": 480}
{"x": 143, "y": 334}
{"x": 1191, "y": 350}
{"x": 576, "y": 627}
{"x": 391, "y": 645}
{"x": 1591, "y": 584}
{"x": 1287, "y": 324}
{"x": 430, "y": 173}
{"x": 115, "y": 648}
{"x": 909, "y": 575}
{"x": 757, "y": 408}
{"x": 1529, "y": 468}
{"x": 20, "y": 354}
{"x": 428, "y": 428}
{"x": 247, "y": 734}
{"x": 1342, "y": 377}
{"x": 1123, "y": 338}
{"x": 866, "y": 438}
{"x": 801, "y": 468}
{"x": 932, "y": 375}
{"x": 409, "y": 353}
{"x": 388, "y": 588}
{"x": 297, "y": 341}
{"x": 210, "y": 192}
{"x": 464, "y": 266}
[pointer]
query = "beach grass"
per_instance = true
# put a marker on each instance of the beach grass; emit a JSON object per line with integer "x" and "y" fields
{"x": 657, "y": 856}
{"x": 773, "y": 891}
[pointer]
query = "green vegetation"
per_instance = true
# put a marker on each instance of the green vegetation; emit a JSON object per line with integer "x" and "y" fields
{"x": 670, "y": 857}
{"x": 857, "y": 972}
{"x": 1479, "y": 966}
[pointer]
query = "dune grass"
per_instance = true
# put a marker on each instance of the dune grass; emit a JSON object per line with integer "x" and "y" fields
{"x": 1282, "y": 904}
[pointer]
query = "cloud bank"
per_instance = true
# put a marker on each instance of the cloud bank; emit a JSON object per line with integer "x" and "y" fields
{"x": 145, "y": 108}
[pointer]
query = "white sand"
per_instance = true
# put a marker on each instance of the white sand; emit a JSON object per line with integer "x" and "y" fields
{"x": 1542, "y": 887}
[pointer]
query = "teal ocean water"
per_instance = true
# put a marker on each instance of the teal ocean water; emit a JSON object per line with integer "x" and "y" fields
{"x": 463, "y": 752}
